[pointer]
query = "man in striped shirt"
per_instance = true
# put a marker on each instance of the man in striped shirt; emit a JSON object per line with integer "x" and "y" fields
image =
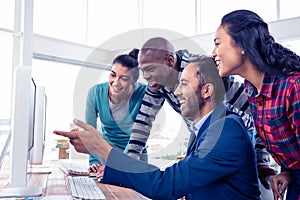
{"x": 162, "y": 67}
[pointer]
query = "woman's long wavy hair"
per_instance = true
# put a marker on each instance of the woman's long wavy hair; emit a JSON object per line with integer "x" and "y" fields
{"x": 251, "y": 34}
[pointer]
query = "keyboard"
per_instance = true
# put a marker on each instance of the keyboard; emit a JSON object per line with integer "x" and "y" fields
{"x": 83, "y": 187}
{"x": 73, "y": 169}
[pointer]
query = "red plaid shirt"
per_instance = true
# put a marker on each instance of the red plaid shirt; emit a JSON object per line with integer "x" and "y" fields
{"x": 276, "y": 114}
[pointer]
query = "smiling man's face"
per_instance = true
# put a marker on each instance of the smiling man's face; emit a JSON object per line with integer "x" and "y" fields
{"x": 189, "y": 93}
{"x": 155, "y": 68}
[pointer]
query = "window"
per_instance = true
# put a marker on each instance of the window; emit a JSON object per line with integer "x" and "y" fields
{"x": 293, "y": 45}
{"x": 7, "y": 14}
{"x": 59, "y": 80}
{"x": 5, "y": 74}
{"x": 60, "y": 19}
{"x": 213, "y": 10}
{"x": 288, "y": 9}
{"x": 107, "y": 19}
{"x": 172, "y": 15}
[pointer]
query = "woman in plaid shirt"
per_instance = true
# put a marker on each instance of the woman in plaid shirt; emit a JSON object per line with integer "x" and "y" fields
{"x": 244, "y": 46}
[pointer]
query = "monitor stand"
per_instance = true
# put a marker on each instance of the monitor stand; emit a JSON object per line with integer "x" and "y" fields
{"x": 39, "y": 170}
{"x": 19, "y": 192}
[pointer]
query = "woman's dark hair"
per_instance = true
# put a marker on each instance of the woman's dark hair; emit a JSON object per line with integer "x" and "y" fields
{"x": 251, "y": 34}
{"x": 129, "y": 61}
{"x": 208, "y": 73}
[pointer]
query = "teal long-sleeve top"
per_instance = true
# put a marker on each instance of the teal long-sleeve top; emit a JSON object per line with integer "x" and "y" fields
{"x": 116, "y": 133}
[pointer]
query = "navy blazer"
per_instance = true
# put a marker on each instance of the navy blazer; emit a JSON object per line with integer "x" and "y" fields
{"x": 220, "y": 164}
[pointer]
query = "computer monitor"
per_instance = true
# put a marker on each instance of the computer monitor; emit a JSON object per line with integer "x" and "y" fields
{"x": 22, "y": 125}
{"x": 37, "y": 152}
{"x": 22, "y": 134}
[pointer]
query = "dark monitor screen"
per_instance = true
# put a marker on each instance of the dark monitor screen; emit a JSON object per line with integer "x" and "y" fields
{"x": 32, "y": 114}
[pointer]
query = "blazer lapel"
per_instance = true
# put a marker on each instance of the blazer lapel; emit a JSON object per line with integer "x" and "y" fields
{"x": 191, "y": 142}
{"x": 219, "y": 112}
{"x": 193, "y": 145}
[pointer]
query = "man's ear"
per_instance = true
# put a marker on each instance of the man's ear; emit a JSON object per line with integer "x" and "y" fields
{"x": 208, "y": 90}
{"x": 171, "y": 60}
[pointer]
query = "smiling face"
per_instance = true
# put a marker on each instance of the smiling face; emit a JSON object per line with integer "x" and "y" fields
{"x": 154, "y": 72}
{"x": 229, "y": 58}
{"x": 189, "y": 93}
{"x": 121, "y": 83}
{"x": 157, "y": 67}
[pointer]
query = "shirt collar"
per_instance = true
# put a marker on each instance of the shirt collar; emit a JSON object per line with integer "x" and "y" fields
{"x": 266, "y": 89}
{"x": 197, "y": 125}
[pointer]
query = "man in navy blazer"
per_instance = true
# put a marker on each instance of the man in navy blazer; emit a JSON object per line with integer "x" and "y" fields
{"x": 220, "y": 161}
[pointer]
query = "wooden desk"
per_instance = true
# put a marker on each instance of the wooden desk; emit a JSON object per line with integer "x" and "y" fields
{"x": 54, "y": 184}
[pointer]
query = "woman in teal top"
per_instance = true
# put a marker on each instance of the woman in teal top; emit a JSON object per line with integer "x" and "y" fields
{"x": 116, "y": 103}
